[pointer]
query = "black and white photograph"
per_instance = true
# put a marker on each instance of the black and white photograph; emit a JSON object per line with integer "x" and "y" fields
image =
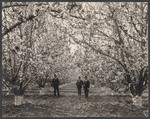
{"x": 75, "y": 59}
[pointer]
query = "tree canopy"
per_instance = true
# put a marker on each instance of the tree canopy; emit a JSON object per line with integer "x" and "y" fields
{"x": 106, "y": 41}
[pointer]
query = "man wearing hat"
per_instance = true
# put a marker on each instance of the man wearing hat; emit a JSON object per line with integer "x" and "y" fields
{"x": 79, "y": 84}
{"x": 55, "y": 84}
{"x": 86, "y": 87}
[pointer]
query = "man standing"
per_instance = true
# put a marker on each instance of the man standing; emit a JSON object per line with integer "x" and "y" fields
{"x": 55, "y": 84}
{"x": 86, "y": 87}
{"x": 79, "y": 84}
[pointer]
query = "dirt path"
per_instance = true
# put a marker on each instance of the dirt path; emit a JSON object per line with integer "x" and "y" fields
{"x": 70, "y": 105}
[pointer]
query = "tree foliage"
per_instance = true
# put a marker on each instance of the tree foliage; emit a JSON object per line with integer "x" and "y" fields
{"x": 111, "y": 40}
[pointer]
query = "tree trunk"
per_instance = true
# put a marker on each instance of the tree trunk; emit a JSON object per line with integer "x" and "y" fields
{"x": 137, "y": 101}
{"x": 42, "y": 91}
{"x": 138, "y": 88}
{"x": 19, "y": 100}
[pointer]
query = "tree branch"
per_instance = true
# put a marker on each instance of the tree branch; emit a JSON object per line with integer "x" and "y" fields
{"x": 61, "y": 16}
{"x": 135, "y": 27}
{"x": 98, "y": 51}
{"x": 17, "y": 5}
{"x": 18, "y": 70}
{"x": 26, "y": 83}
{"x": 31, "y": 17}
{"x": 105, "y": 34}
{"x": 77, "y": 17}
{"x": 126, "y": 33}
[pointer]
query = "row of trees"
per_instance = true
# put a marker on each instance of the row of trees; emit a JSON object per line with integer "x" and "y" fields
{"x": 33, "y": 48}
{"x": 117, "y": 36}
{"x": 111, "y": 40}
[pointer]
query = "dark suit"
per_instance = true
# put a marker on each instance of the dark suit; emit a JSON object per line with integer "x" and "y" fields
{"x": 79, "y": 84}
{"x": 86, "y": 88}
{"x": 55, "y": 84}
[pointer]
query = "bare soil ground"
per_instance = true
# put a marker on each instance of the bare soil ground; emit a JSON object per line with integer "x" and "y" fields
{"x": 70, "y": 105}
